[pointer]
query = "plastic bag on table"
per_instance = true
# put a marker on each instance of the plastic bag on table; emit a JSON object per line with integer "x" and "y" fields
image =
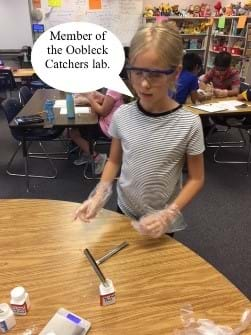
{"x": 208, "y": 327}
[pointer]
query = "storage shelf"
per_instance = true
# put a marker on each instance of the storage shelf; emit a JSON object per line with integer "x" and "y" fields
{"x": 209, "y": 32}
{"x": 193, "y": 35}
{"x": 231, "y": 36}
{"x": 233, "y": 55}
{"x": 195, "y": 49}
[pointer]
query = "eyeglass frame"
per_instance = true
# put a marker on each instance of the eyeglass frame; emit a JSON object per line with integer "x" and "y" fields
{"x": 143, "y": 69}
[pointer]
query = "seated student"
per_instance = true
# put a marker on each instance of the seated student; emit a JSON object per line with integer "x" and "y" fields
{"x": 225, "y": 79}
{"x": 104, "y": 106}
{"x": 187, "y": 83}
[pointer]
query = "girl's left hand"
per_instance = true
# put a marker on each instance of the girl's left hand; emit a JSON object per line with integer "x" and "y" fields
{"x": 156, "y": 224}
{"x": 152, "y": 225}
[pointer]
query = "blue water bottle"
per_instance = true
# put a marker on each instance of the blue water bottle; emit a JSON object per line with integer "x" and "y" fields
{"x": 49, "y": 109}
{"x": 70, "y": 106}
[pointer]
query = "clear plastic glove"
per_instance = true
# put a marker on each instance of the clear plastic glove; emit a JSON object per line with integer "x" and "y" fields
{"x": 96, "y": 200}
{"x": 208, "y": 327}
{"x": 220, "y": 93}
{"x": 164, "y": 221}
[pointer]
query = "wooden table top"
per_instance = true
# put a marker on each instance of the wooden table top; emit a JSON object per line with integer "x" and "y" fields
{"x": 36, "y": 105}
{"x": 42, "y": 250}
{"x": 239, "y": 111}
{"x": 19, "y": 73}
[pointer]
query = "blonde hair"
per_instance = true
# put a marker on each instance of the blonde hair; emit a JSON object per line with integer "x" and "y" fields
{"x": 164, "y": 38}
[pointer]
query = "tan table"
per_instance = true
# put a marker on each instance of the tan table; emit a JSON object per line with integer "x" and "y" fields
{"x": 22, "y": 73}
{"x": 239, "y": 111}
{"x": 42, "y": 250}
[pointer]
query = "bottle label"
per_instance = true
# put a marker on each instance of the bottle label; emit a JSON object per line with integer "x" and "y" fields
{"x": 3, "y": 326}
{"x": 19, "y": 309}
{"x": 107, "y": 299}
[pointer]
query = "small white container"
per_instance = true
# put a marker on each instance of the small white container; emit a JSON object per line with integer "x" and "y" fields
{"x": 107, "y": 293}
{"x": 7, "y": 318}
{"x": 20, "y": 301}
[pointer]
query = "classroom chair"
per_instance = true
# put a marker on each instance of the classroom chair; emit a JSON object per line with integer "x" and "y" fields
{"x": 220, "y": 125}
{"x": 24, "y": 94}
{"x": 7, "y": 82}
{"x": 241, "y": 124}
{"x": 36, "y": 83}
{"x": 89, "y": 168}
{"x": 25, "y": 137}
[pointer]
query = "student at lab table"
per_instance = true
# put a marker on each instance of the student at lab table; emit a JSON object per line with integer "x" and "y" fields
{"x": 224, "y": 78}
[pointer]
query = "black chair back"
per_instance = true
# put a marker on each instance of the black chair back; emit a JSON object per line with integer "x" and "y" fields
{"x": 244, "y": 87}
{"x": 7, "y": 81}
{"x": 24, "y": 95}
{"x": 11, "y": 108}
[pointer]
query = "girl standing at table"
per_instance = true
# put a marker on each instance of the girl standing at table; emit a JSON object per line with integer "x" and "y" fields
{"x": 151, "y": 138}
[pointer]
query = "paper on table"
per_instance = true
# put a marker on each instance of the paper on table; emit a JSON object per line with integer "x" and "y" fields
{"x": 60, "y": 103}
{"x": 227, "y": 105}
{"x": 78, "y": 110}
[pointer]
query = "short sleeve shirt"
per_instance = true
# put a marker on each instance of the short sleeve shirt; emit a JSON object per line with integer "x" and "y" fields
{"x": 186, "y": 84}
{"x": 154, "y": 148}
{"x": 228, "y": 80}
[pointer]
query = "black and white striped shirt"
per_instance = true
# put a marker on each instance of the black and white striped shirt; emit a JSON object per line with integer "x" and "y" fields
{"x": 154, "y": 148}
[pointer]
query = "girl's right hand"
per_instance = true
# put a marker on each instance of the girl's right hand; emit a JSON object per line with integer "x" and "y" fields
{"x": 97, "y": 199}
{"x": 88, "y": 210}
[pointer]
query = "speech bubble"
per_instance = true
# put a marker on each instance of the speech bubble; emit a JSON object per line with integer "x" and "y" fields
{"x": 79, "y": 57}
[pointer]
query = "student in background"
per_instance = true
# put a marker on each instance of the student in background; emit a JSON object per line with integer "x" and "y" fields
{"x": 104, "y": 106}
{"x": 151, "y": 138}
{"x": 187, "y": 83}
{"x": 225, "y": 79}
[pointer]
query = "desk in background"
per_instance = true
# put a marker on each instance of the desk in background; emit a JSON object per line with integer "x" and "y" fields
{"x": 237, "y": 112}
{"x": 42, "y": 249}
{"x": 23, "y": 73}
{"x": 36, "y": 105}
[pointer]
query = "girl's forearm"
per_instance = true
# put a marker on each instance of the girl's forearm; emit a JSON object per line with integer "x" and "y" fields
{"x": 188, "y": 192}
{"x": 110, "y": 171}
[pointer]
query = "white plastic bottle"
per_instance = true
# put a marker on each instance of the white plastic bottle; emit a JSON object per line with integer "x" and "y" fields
{"x": 7, "y": 318}
{"x": 107, "y": 293}
{"x": 20, "y": 301}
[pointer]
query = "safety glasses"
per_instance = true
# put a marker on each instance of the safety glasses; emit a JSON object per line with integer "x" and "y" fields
{"x": 153, "y": 76}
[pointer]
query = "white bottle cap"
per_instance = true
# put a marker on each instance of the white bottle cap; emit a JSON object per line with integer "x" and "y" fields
{"x": 18, "y": 293}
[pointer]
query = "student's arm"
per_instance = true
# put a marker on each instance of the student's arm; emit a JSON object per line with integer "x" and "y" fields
{"x": 99, "y": 97}
{"x": 226, "y": 93}
{"x": 195, "y": 181}
{"x": 207, "y": 77}
{"x": 103, "y": 190}
{"x": 113, "y": 164}
{"x": 195, "y": 96}
{"x": 82, "y": 99}
{"x": 103, "y": 108}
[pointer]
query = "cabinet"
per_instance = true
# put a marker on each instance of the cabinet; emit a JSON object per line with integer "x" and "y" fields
{"x": 208, "y": 36}
{"x": 228, "y": 36}
{"x": 195, "y": 33}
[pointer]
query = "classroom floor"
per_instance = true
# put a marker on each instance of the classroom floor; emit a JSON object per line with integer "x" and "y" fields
{"x": 219, "y": 219}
